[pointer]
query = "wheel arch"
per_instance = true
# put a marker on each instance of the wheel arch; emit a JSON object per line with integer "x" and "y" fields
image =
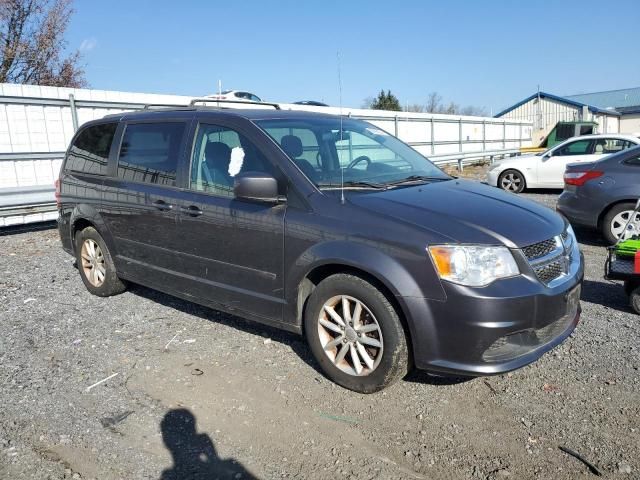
{"x": 398, "y": 281}
{"x": 610, "y": 206}
{"x": 84, "y": 216}
{"x": 320, "y": 272}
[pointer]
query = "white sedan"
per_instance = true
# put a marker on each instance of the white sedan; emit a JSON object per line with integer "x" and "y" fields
{"x": 235, "y": 95}
{"x": 546, "y": 169}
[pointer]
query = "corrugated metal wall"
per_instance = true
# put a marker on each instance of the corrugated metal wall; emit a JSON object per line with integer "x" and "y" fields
{"x": 546, "y": 112}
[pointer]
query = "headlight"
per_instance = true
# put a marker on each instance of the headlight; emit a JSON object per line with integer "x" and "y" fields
{"x": 472, "y": 265}
{"x": 570, "y": 238}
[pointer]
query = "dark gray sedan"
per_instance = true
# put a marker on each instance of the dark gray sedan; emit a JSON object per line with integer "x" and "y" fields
{"x": 602, "y": 194}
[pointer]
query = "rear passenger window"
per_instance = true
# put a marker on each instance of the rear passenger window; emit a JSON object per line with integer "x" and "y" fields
{"x": 90, "y": 151}
{"x": 149, "y": 152}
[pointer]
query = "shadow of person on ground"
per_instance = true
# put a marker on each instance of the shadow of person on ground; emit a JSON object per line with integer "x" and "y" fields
{"x": 194, "y": 455}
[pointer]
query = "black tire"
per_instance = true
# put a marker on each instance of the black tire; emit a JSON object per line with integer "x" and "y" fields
{"x": 517, "y": 181}
{"x": 634, "y": 300}
{"x": 110, "y": 284}
{"x": 630, "y": 286}
{"x": 393, "y": 362}
{"x": 608, "y": 219}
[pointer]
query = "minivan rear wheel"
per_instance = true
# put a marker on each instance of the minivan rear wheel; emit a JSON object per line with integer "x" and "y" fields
{"x": 355, "y": 334}
{"x": 511, "y": 181}
{"x": 614, "y": 222}
{"x": 95, "y": 264}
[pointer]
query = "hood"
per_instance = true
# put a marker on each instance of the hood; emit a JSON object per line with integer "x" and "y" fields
{"x": 462, "y": 211}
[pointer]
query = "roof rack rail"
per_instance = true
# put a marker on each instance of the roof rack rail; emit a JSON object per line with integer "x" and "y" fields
{"x": 247, "y": 102}
{"x": 151, "y": 106}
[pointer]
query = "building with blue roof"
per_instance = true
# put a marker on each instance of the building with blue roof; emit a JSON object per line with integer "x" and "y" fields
{"x": 614, "y": 111}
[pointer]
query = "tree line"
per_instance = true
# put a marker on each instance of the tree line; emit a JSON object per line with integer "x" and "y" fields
{"x": 433, "y": 104}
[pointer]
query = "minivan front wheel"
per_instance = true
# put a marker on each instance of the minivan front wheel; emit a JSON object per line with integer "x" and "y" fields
{"x": 95, "y": 264}
{"x": 355, "y": 334}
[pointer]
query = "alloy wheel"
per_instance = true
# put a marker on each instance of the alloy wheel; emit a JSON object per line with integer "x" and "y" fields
{"x": 511, "y": 182}
{"x": 93, "y": 264}
{"x": 350, "y": 335}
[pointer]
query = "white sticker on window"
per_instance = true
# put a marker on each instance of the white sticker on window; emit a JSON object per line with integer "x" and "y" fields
{"x": 237, "y": 158}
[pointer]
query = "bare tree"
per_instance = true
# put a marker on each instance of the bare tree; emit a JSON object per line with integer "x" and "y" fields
{"x": 434, "y": 104}
{"x": 473, "y": 111}
{"x": 32, "y": 44}
{"x": 367, "y": 102}
{"x": 415, "y": 107}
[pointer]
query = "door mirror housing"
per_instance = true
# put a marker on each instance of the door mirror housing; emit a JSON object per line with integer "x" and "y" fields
{"x": 256, "y": 187}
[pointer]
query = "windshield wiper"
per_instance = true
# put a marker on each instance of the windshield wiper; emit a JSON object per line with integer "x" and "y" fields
{"x": 353, "y": 184}
{"x": 416, "y": 179}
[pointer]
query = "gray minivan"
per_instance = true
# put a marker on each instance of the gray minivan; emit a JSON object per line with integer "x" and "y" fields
{"x": 322, "y": 225}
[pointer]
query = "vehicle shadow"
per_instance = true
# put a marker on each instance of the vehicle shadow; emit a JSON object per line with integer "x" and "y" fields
{"x": 589, "y": 237}
{"x": 605, "y": 293}
{"x": 27, "y": 228}
{"x": 296, "y": 342}
{"x": 425, "y": 378}
{"x": 194, "y": 454}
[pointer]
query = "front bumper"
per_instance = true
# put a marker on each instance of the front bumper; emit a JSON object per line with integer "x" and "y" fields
{"x": 492, "y": 176}
{"x": 495, "y": 329}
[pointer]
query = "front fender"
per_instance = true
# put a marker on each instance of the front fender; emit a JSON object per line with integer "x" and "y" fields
{"x": 411, "y": 280}
{"x": 401, "y": 278}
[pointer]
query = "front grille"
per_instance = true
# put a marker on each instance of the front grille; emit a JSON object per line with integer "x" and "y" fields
{"x": 541, "y": 249}
{"x": 550, "y": 271}
{"x": 550, "y": 258}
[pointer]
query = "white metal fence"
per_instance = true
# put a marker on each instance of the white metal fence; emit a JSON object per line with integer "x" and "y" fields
{"x": 37, "y": 124}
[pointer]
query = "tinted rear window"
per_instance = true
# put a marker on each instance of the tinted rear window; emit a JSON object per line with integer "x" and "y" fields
{"x": 90, "y": 151}
{"x": 149, "y": 152}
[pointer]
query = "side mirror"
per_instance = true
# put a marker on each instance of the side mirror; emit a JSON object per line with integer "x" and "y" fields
{"x": 256, "y": 187}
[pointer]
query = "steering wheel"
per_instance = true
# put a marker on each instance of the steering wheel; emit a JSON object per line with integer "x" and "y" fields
{"x": 361, "y": 158}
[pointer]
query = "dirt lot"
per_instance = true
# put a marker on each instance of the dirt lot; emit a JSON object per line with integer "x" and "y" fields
{"x": 194, "y": 393}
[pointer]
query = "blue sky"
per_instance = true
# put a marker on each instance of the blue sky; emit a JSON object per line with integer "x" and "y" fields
{"x": 483, "y": 53}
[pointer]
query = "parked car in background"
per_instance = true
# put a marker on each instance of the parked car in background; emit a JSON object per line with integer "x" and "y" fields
{"x": 312, "y": 103}
{"x": 322, "y": 225}
{"x": 546, "y": 169}
{"x": 235, "y": 95}
{"x": 602, "y": 194}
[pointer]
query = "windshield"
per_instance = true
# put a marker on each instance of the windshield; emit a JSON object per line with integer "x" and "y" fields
{"x": 332, "y": 150}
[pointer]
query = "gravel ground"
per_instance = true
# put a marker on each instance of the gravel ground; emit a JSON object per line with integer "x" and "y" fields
{"x": 195, "y": 392}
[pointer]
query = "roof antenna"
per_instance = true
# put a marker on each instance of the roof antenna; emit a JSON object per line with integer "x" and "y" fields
{"x": 340, "y": 104}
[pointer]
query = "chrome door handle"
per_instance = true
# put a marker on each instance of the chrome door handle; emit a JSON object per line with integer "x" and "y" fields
{"x": 191, "y": 210}
{"x": 162, "y": 205}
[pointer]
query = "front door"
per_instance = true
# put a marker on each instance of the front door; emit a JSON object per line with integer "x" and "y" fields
{"x": 551, "y": 168}
{"x": 231, "y": 250}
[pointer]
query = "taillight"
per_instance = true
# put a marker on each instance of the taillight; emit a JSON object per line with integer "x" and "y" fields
{"x": 580, "y": 178}
{"x": 57, "y": 194}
